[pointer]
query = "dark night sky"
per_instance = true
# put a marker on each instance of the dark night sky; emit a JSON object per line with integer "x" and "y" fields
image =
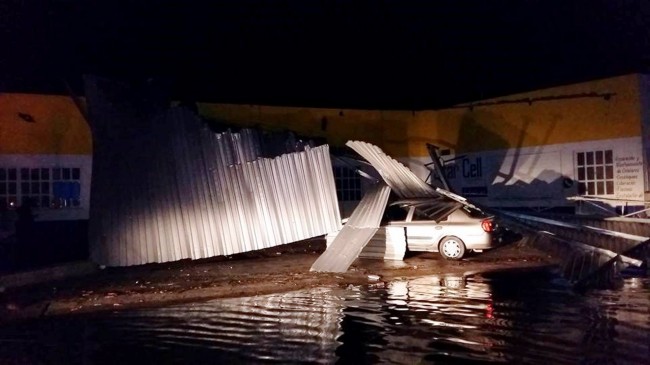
{"x": 365, "y": 54}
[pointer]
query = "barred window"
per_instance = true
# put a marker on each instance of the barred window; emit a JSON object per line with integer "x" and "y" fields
{"x": 42, "y": 187}
{"x": 348, "y": 184}
{"x": 595, "y": 171}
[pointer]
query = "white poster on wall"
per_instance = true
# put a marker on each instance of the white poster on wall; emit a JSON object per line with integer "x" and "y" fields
{"x": 628, "y": 175}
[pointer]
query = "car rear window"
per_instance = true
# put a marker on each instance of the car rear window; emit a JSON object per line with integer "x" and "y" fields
{"x": 473, "y": 212}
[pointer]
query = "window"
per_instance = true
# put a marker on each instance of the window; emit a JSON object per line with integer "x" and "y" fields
{"x": 348, "y": 184}
{"x": 595, "y": 172}
{"x": 42, "y": 187}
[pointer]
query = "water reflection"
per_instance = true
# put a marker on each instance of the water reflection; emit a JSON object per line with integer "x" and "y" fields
{"x": 522, "y": 317}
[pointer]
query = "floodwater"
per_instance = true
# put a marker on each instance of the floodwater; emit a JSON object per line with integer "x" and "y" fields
{"x": 527, "y": 317}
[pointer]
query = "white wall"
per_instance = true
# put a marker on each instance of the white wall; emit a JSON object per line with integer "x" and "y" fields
{"x": 540, "y": 176}
{"x": 84, "y": 162}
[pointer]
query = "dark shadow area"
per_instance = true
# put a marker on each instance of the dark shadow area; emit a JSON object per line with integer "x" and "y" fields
{"x": 41, "y": 244}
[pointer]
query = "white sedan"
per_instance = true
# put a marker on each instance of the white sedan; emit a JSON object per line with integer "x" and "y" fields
{"x": 453, "y": 235}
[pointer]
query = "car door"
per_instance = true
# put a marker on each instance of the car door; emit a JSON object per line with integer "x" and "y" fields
{"x": 422, "y": 234}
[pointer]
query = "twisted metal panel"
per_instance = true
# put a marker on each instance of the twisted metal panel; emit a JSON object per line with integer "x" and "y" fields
{"x": 359, "y": 229}
{"x": 167, "y": 188}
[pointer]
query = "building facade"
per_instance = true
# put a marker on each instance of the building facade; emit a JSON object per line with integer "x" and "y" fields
{"x": 531, "y": 150}
{"x": 45, "y": 156}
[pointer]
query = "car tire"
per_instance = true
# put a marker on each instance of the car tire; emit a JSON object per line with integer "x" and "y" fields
{"x": 452, "y": 248}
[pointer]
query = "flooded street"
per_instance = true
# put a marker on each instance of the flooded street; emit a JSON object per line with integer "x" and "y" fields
{"x": 507, "y": 317}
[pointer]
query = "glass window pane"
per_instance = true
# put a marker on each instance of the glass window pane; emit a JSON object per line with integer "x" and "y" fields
{"x": 11, "y": 187}
{"x": 600, "y": 173}
{"x": 65, "y": 174}
{"x": 590, "y": 173}
{"x": 591, "y": 188}
{"x": 599, "y": 157}
{"x": 56, "y": 174}
{"x": 3, "y": 174}
{"x": 76, "y": 174}
{"x": 12, "y": 201}
{"x": 582, "y": 188}
{"x": 45, "y": 174}
{"x": 581, "y": 159}
{"x": 45, "y": 188}
{"x": 24, "y": 188}
{"x": 36, "y": 188}
{"x": 12, "y": 174}
{"x": 31, "y": 200}
{"x": 609, "y": 156}
{"x": 45, "y": 201}
{"x": 24, "y": 174}
{"x": 609, "y": 172}
{"x": 590, "y": 158}
{"x": 600, "y": 188}
{"x": 3, "y": 188}
{"x": 609, "y": 186}
{"x": 35, "y": 174}
{"x": 581, "y": 174}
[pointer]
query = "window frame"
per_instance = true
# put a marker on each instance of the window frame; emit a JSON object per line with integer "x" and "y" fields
{"x": 40, "y": 184}
{"x": 594, "y": 172}
{"x": 348, "y": 184}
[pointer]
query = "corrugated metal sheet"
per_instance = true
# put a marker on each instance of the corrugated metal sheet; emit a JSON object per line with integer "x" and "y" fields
{"x": 165, "y": 187}
{"x": 356, "y": 233}
{"x": 586, "y": 255}
{"x": 400, "y": 179}
{"x": 614, "y": 241}
{"x": 406, "y": 184}
{"x": 580, "y": 264}
{"x": 388, "y": 243}
{"x": 635, "y": 226}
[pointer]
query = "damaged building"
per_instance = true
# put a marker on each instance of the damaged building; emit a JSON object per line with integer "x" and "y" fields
{"x": 536, "y": 150}
{"x": 167, "y": 185}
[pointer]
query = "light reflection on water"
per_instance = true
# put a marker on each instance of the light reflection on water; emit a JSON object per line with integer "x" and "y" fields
{"x": 515, "y": 317}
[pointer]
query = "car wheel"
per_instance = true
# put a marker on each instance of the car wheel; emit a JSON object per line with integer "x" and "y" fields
{"x": 452, "y": 248}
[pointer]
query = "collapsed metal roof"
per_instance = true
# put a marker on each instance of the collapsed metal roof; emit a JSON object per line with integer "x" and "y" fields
{"x": 165, "y": 187}
{"x": 356, "y": 233}
{"x": 588, "y": 254}
{"x": 586, "y": 251}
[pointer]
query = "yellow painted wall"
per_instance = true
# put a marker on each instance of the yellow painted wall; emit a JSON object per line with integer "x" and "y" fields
{"x": 58, "y": 127}
{"x": 493, "y": 127}
{"x": 516, "y": 125}
{"x": 384, "y": 128}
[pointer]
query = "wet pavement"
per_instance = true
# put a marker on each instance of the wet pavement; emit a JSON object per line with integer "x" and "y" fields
{"x": 280, "y": 269}
{"x": 523, "y": 316}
